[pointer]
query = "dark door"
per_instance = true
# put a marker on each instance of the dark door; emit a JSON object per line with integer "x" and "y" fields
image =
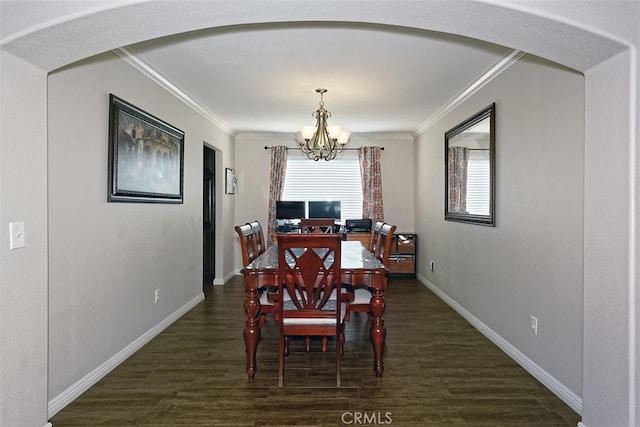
{"x": 208, "y": 216}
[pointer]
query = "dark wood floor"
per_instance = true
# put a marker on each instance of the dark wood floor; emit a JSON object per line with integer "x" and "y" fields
{"x": 438, "y": 371}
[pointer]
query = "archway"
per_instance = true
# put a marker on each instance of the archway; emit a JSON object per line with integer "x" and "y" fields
{"x": 610, "y": 117}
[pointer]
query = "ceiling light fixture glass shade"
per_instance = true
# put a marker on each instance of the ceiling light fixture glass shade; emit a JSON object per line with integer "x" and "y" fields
{"x": 323, "y": 141}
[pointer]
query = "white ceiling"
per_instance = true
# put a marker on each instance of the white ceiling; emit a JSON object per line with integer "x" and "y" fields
{"x": 262, "y": 77}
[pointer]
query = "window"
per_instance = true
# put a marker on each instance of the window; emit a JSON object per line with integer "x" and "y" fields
{"x": 337, "y": 179}
{"x": 478, "y": 179}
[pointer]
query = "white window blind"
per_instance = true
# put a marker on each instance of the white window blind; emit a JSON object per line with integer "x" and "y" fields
{"x": 337, "y": 179}
{"x": 478, "y": 182}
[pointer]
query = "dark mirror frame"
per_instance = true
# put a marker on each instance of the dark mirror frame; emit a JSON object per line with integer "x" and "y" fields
{"x": 488, "y": 220}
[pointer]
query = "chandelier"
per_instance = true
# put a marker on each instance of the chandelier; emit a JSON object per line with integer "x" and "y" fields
{"x": 323, "y": 141}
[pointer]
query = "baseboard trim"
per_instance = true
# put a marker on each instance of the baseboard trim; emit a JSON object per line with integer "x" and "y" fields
{"x": 555, "y": 386}
{"x": 70, "y": 394}
{"x": 225, "y": 279}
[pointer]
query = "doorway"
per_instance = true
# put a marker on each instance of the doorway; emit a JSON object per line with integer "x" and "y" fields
{"x": 208, "y": 216}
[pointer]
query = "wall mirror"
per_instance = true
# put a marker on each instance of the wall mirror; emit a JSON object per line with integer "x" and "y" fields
{"x": 469, "y": 156}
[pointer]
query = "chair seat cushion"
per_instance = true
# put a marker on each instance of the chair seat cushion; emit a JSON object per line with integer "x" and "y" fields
{"x": 264, "y": 299}
{"x": 361, "y": 296}
{"x": 309, "y": 321}
{"x": 329, "y": 307}
{"x": 333, "y": 293}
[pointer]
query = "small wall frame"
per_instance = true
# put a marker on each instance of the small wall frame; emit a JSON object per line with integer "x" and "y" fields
{"x": 230, "y": 181}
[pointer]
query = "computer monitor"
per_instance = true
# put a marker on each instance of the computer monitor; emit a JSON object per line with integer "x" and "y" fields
{"x": 290, "y": 209}
{"x": 324, "y": 209}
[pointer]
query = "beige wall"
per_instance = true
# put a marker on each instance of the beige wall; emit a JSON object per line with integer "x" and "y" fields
{"x": 530, "y": 263}
{"x": 602, "y": 29}
{"x": 107, "y": 259}
{"x": 23, "y": 190}
{"x": 612, "y": 288}
{"x": 253, "y": 163}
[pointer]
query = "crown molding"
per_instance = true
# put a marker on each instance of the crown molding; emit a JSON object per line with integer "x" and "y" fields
{"x": 383, "y": 136}
{"x": 455, "y": 102}
{"x": 264, "y": 136}
{"x": 148, "y": 71}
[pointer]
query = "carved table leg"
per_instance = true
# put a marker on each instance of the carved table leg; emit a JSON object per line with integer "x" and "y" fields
{"x": 251, "y": 330}
{"x": 378, "y": 330}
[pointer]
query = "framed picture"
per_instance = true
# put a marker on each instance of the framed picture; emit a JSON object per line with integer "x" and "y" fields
{"x": 146, "y": 156}
{"x": 229, "y": 181}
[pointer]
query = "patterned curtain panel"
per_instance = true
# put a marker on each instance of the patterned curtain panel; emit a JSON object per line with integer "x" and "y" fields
{"x": 458, "y": 162}
{"x": 372, "y": 206}
{"x": 278, "y": 169}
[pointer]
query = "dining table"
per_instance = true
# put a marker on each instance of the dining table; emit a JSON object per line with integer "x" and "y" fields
{"x": 359, "y": 267}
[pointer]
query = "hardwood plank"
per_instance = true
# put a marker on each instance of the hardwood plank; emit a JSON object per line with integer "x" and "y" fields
{"x": 439, "y": 371}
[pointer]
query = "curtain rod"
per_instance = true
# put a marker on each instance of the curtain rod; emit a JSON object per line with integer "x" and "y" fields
{"x": 298, "y": 148}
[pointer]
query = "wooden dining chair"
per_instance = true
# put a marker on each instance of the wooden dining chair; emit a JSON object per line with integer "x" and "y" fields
{"x": 247, "y": 245}
{"x": 362, "y": 293}
{"x": 385, "y": 239}
{"x": 375, "y": 236}
{"x": 251, "y": 246}
{"x": 258, "y": 235}
{"x": 317, "y": 225}
{"x": 309, "y": 271}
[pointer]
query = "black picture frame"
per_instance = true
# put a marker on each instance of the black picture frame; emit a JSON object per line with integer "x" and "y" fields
{"x": 146, "y": 156}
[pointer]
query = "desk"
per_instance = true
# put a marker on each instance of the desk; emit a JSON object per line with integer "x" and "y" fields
{"x": 359, "y": 267}
{"x": 365, "y": 238}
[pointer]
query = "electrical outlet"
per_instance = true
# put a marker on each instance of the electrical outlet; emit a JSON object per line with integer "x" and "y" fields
{"x": 534, "y": 325}
{"x": 432, "y": 266}
{"x": 156, "y": 296}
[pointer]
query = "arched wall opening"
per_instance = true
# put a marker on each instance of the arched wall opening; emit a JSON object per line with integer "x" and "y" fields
{"x": 611, "y": 128}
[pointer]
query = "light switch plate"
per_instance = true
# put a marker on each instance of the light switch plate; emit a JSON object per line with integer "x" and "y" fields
{"x": 16, "y": 233}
